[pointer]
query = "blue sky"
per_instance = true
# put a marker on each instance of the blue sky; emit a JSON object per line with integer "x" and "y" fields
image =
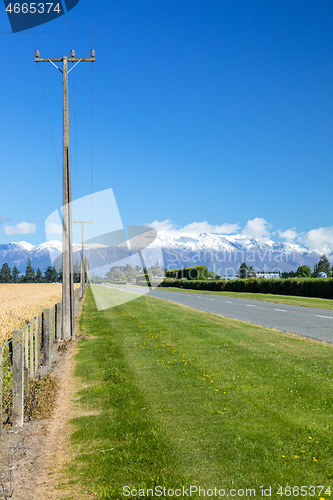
{"x": 218, "y": 111}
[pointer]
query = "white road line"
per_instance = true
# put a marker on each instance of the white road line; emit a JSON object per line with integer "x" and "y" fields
{"x": 327, "y": 317}
{"x": 250, "y": 305}
{"x": 212, "y": 299}
{"x": 282, "y": 310}
{"x": 228, "y": 302}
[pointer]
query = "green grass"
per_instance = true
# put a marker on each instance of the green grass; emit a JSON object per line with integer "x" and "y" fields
{"x": 180, "y": 397}
{"x": 266, "y": 297}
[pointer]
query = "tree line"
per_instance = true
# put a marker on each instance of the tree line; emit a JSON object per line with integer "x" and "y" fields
{"x": 50, "y": 274}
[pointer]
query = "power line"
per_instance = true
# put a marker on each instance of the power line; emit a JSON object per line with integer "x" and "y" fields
{"x": 92, "y": 105}
{"x": 47, "y": 109}
{"x": 93, "y": 23}
{"x": 50, "y": 124}
{"x": 70, "y": 31}
{"x": 92, "y": 129}
{"x": 74, "y": 110}
{"x": 75, "y": 141}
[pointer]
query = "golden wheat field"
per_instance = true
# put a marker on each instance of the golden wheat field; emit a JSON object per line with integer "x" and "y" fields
{"x": 20, "y": 303}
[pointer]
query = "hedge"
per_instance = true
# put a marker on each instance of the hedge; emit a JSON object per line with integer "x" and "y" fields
{"x": 189, "y": 273}
{"x": 305, "y": 287}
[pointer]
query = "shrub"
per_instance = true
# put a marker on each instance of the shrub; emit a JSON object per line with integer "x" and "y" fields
{"x": 40, "y": 402}
{"x": 189, "y": 273}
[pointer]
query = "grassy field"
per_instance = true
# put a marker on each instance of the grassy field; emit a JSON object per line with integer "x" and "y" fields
{"x": 20, "y": 303}
{"x": 175, "y": 397}
{"x": 266, "y": 297}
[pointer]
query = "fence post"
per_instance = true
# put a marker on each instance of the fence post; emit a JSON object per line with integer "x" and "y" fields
{"x": 26, "y": 360}
{"x": 58, "y": 321}
{"x": 47, "y": 337}
{"x": 1, "y": 389}
{"x": 35, "y": 327}
{"x": 53, "y": 324}
{"x": 18, "y": 397}
{"x": 39, "y": 338}
{"x": 31, "y": 342}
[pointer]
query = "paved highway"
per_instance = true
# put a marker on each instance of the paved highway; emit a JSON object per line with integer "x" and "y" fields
{"x": 306, "y": 321}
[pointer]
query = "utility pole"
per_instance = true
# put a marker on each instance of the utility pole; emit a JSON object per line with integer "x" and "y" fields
{"x": 82, "y": 269}
{"x": 68, "y": 318}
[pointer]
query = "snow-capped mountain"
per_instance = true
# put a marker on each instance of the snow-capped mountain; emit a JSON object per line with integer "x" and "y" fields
{"x": 223, "y": 254}
{"x": 220, "y": 253}
{"x": 17, "y": 254}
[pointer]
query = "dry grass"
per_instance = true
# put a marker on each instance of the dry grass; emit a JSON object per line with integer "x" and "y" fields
{"x": 20, "y": 303}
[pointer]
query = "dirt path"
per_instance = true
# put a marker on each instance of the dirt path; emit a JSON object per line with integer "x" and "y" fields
{"x": 31, "y": 459}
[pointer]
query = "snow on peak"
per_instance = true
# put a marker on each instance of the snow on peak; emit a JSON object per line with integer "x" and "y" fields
{"x": 25, "y": 245}
{"x": 51, "y": 245}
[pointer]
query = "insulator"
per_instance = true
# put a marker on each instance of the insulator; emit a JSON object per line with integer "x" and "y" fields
{"x": 92, "y": 53}
{"x": 36, "y": 53}
{"x": 72, "y": 53}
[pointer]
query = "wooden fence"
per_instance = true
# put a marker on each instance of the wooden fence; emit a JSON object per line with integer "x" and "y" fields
{"x": 23, "y": 357}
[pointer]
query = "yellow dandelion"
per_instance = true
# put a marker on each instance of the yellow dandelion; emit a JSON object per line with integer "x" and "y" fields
{"x": 310, "y": 437}
{"x": 284, "y": 456}
{"x": 216, "y": 390}
{"x": 296, "y": 456}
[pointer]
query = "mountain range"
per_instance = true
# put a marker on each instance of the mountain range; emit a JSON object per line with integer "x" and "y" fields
{"x": 222, "y": 254}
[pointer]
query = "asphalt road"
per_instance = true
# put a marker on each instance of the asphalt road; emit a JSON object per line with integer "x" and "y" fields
{"x": 305, "y": 321}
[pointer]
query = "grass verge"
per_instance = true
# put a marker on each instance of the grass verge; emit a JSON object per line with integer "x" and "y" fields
{"x": 316, "y": 302}
{"x": 176, "y": 397}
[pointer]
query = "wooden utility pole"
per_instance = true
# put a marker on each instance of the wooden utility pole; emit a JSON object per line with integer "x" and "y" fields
{"x": 68, "y": 318}
{"x": 82, "y": 269}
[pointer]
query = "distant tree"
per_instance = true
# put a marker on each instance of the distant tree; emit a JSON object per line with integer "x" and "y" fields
{"x": 323, "y": 266}
{"x": 51, "y": 275}
{"x": 96, "y": 279}
{"x": 243, "y": 271}
{"x": 303, "y": 272}
{"x": 5, "y": 274}
{"x": 29, "y": 273}
{"x": 251, "y": 272}
{"x": 77, "y": 272}
{"x": 60, "y": 275}
{"x": 157, "y": 270}
{"x": 15, "y": 274}
{"x": 116, "y": 274}
{"x": 211, "y": 275}
{"x": 39, "y": 276}
{"x": 291, "y": 274}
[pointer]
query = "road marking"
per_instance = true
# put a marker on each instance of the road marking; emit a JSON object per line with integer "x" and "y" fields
{"x": 212, "y": 299}
{"x": 282, "y": 310}
{"x": 327, "y": 317}
{"x": 228, "y": 302}
{"x": 250, "y": 305}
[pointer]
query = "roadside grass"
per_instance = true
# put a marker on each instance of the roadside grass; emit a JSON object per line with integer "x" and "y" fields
{"x": 181, "y": 397}
{"x": 266, "y": 297}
